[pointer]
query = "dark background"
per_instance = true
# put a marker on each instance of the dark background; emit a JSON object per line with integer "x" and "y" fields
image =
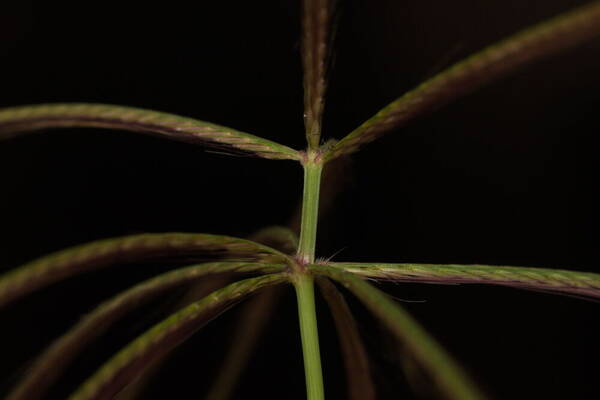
{"x": 504, "y": 176}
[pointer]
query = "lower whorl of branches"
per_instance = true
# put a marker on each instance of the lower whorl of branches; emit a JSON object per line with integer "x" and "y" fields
{"x": 166, "y": 335}
{"x": 55, "y": 267}
{"x": 48, "y": 366}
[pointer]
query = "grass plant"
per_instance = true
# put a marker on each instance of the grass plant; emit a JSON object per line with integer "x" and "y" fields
{"x": 280, "y": 256}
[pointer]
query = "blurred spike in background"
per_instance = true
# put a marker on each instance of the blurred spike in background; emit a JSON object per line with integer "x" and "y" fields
{"x": 505, "y": 176}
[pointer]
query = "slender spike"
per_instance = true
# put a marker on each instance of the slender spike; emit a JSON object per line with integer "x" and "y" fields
{"x": 54, "y": 267}
{"x": 137, "y": 388}
{"x": 449, "y": 377}
{"x": 255, "y": 316}
{"x": 277, "y": 237}
{"x": 317, "y": 18}
{"x": 493, "y": 62}
{"x": 253, "y": 320}
{"x": 166, "y": 335}
{"x": 23, "y": 119}
{"x": 48, "y": 366}
{"x": 557, "y": 281}
{"x": 356, "y": 361}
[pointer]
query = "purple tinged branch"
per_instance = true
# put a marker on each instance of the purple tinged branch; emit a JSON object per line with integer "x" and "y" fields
{"x": 557, "y": 281}
{"x": 316, "y": 24}
{"x": 547, "y": 38}
{"x": 18, "y": 120}
{"x": 54, "y": 267}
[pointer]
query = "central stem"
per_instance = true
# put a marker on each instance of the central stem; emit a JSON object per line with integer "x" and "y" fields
{"x": 305, "y": 294}
{"x": 310, "y": 211}
{"x": 303, "y": 280}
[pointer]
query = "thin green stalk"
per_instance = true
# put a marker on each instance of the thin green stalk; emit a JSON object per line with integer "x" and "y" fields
{"x": 310, "y": 209}
{"x": 303, "y": 282}
{"x": 304, "y": 285}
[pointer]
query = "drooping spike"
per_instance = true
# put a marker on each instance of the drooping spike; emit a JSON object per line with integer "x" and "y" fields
{"x": 48, "y": 366}
{"x": 18, "y": 120}
{"x": 54, "y": 267}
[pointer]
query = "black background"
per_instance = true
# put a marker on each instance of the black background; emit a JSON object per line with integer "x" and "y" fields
{"x": 504, "y": 176}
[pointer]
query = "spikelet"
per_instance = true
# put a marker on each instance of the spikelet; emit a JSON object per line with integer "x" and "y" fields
{"x": 493, "y": 62}
{"x": 23, "y": 119}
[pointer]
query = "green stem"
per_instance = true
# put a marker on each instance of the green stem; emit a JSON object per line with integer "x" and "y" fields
{"x": 304, "y": 285}
{"x": 310, "y": 210}
{"x": 303, "y": 280}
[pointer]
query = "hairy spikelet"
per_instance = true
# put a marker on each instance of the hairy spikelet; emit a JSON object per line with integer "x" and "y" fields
{"x": 557, "y": 281}
{"x": 66, "y": 263}
{"x": 316, "y": 25}
{"x": 48, "y": 366}
{"x": 74, "y": 115}
{"x": 166, "y": 335}
{"x": 491, "y": 63}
